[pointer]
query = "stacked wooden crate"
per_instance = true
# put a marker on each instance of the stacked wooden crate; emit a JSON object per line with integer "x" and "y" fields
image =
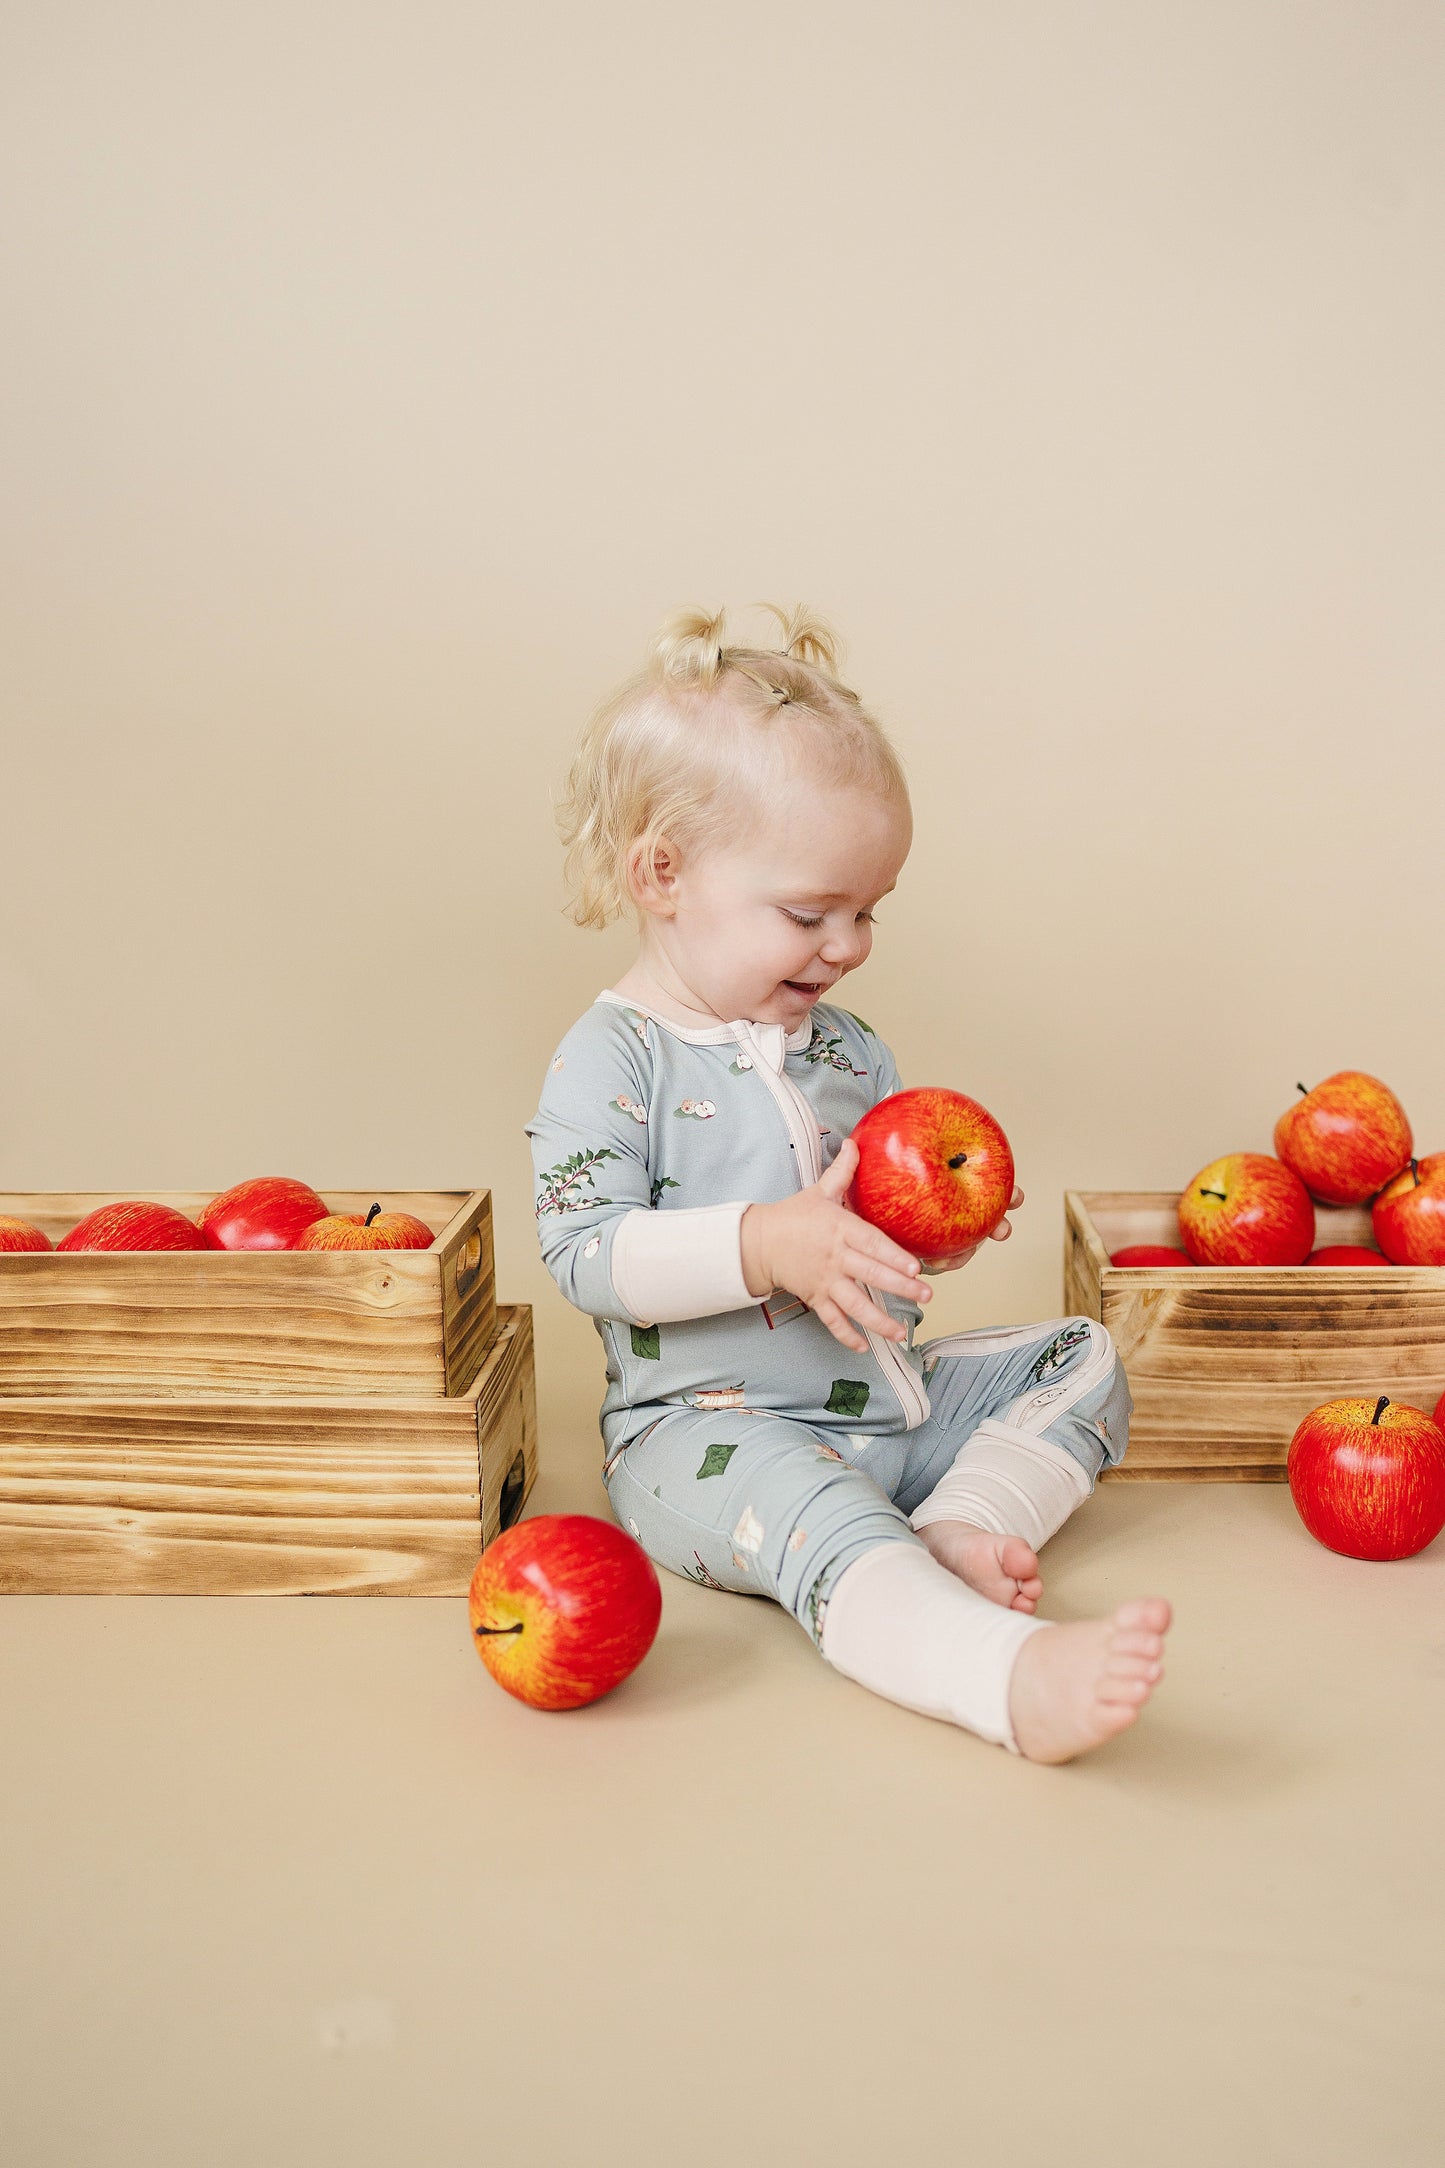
{"x": 341, "y": 1422}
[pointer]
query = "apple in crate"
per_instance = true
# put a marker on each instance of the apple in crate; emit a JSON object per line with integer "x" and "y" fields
{"x": 18, "y": 1234}
{"x": 378, "y": 1231}
{"x": 133, "y": 1224}
{"x": 1369, "y": 1479}
{"x": 1247, "y": 1209}
{"x": 562, "y": 1608}
{"x": 1346, "y": 1253}
{"x": 1409, "y": 1213}
{"x": 935, "y": 1172}
{"x": 1345, "y": 1138}
{"x": 1149, "y": 1253}
{"x": 266, "y": 1213}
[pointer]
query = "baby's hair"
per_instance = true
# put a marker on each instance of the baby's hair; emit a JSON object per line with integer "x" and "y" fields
{"x": 668, "y": 752}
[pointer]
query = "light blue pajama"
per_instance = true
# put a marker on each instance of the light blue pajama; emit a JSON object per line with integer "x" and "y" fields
{"x": 748, "y": 1448}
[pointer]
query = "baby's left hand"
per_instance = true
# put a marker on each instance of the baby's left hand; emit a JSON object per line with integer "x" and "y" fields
{"x": 1000, "y": 1233}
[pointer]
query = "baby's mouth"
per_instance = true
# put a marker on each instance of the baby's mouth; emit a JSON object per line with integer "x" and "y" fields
{"x": 802, "y": 986}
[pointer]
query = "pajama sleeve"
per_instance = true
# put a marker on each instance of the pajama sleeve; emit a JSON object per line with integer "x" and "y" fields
{"x": 612, "y": 1251}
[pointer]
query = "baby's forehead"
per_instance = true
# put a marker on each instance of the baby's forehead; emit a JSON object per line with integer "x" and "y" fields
{"x": 829, "y": 841}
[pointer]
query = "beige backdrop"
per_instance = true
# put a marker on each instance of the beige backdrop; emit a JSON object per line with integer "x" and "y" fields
{"x": 375, "y": 380}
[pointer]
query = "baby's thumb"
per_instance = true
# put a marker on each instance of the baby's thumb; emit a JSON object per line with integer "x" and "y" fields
{"x": 835, "y": 1182}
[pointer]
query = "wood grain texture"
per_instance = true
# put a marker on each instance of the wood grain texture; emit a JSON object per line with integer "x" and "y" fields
{"x": 1225, "y": 1361}
{"x": 188, "y": 1323}
{"x": 356, "y": 1495}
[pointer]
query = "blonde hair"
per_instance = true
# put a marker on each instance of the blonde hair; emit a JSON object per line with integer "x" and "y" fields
{"x": 665, "y": 754}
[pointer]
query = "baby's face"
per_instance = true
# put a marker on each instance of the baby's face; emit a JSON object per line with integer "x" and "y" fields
{"x": 764, "y": 926}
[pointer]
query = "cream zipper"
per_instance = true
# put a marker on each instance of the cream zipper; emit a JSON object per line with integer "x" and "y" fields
{"x": 802, "y": 1125}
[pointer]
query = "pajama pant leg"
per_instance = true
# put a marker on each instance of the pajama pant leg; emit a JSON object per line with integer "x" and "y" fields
{"x": 753, "y": 1503}
{"x": 1061, "y": 1382}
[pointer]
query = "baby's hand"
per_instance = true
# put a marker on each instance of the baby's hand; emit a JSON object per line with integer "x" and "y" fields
{"x": 826, "y": 1255}
{"x": 1000, "y": 1233}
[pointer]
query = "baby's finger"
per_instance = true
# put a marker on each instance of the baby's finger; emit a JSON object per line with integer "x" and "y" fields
{"x": 1016, "y": 1200}
{"x": 879, "y": 1250}
{"x": 834, "y": 1181}
{"x": 1002, "y": 1232}
{"x": 954, "y": 1264}
{"x": 849, "y": 1296}
{"x": 869, "y": 1273}
{"x": 838, "y": 1325}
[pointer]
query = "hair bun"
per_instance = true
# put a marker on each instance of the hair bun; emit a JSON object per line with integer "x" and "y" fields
{"x": 690, "y": 646}
{"x": 806, "y": 638}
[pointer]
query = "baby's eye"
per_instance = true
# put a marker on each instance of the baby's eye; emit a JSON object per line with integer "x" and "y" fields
{"x": 799, "y": 918}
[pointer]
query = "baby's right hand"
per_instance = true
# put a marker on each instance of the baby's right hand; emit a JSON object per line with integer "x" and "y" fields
{"x": 820, "y": 1251}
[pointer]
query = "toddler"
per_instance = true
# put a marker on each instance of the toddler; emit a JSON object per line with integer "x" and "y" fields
{"x": 770, "y": 1425}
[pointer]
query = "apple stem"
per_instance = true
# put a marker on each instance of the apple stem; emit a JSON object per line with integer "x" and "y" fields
{"x": 1219, "y": 1193}
{"x": 371, "y": 1215}
{"x": 1303, "y": 1088}
{"x": 958, "y": 1159}
{"x": 1380, "y": 1406}
{"x": 1415, "y": 1170}
{"x": 498, "y": 1629}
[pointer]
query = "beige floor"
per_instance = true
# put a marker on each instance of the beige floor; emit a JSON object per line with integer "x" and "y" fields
{"x": 292, "y": 1881}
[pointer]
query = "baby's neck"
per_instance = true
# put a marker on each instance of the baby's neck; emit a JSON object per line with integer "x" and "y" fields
{"x": 656, "y": 990}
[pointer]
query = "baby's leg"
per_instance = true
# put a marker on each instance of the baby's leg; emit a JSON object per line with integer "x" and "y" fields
{"x": 759, "y": 1504}
{"x": 1023, "y": 1419}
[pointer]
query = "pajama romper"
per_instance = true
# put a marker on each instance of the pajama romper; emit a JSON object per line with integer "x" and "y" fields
{"x": 745, "y": 1446}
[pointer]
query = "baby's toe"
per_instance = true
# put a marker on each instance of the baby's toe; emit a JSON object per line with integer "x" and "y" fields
{"x": 1114, "y": 1692}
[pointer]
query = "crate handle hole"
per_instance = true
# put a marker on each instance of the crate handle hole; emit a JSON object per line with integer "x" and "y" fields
{"x": 469, "y": 1257}
{"x": 513, "y": 1490}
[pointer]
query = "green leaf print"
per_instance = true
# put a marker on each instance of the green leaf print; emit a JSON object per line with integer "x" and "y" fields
{"x": 715, "y": 1460}
{"x": 828, "y": 1047}
{"x": 562, "y": 1186}
{"x": 848, "y": 1397}
{"x": 647, "y": 1343}
{"x": 860, "y": 1023}
{"x": 659, "y": 1184}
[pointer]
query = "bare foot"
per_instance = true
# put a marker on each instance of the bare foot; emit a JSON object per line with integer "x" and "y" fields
{"x": 1003, "y": 1568}
{"x": 1074, "y": 1686}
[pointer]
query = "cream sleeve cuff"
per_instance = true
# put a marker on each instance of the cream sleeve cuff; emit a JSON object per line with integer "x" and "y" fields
{"x": 688, "y": 1263}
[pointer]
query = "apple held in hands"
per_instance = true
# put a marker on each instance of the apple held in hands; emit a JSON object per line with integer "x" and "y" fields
{"x": 1409, "y": 1213}
{"x": 1247, "y": 1209}
{"x": 133, "y": 1224}
{"x": 378, "y": 1231}
{"x": 935, "y": 1172}
{"x": 562, "y": 1608}
{"x": 1346, "y": 1138}
{"x": 1369, "y": 1479}
{"x": 18, "y": 1234}
{"x": 266, "y": 1213}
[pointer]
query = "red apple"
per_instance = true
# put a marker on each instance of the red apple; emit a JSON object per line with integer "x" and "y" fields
{"x": 935, "y": 1172}
{"x": 1369, "y": 1484}
{"x": 378, "y": 1231}
{"x": 1247, "y": 1209}
{"x": 1346, "y": 1253}
{"x": 1440, "y": 1411}
{"x": 1345, "y": 1138}
{"x": 18, "y": 1234}
{"x": 266, "y": 1213}
{"x": 1409, "y": 1213}
{"x": 132, "y": 1224}
{"x": 1150, "y": 1253}
{"x": 562, "y": 1608}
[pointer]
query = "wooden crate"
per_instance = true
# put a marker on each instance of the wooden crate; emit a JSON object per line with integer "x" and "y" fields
{"x": 1224, "y": 1360}
{"x": 264, "y": 1495}
{"x": 140, "y": 1324}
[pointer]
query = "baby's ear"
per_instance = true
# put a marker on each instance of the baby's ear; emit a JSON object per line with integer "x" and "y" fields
{"x": 652, "y": 875}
